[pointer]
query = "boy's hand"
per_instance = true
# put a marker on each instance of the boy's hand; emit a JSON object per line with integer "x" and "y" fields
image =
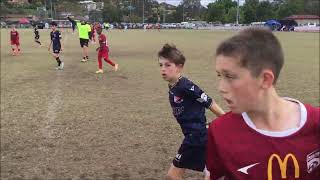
{"x": 61, "y": 49}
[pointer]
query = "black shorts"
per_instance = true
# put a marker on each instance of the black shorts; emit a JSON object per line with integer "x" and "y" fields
{"x": 190, "y": 157}
{"x": 84, "y": 42}
{"x": 56, "y": 50}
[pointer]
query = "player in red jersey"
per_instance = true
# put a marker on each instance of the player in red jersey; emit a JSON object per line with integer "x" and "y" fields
{"x": 103, "y": 51}
{"x": 93, "y": 31}
{"x": 264, "y": 136}
{"x": 15, "y": 44}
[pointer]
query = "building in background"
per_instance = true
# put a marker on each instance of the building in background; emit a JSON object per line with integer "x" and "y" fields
{"x": 304, "y": 19}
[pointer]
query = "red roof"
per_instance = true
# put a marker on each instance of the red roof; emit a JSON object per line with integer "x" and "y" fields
{"x": 296, "y": 17}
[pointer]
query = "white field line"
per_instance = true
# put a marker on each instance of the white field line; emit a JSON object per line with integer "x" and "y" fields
{"x": 50, "y": 132}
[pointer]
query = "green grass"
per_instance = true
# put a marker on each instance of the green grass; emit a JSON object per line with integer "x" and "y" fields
{"x": 118, "y": 125}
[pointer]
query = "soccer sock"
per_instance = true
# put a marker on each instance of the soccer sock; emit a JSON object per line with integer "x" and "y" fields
{"x": 110, "y": 62}
{"x": 100, "y": 63}
{"x": 58, "y": 60}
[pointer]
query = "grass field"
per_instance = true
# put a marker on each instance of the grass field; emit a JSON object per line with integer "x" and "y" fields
{"x": 74, "y": 124}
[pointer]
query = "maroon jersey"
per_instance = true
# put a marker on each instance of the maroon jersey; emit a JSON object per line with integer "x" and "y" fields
{"x": 103, "y": 43}
{"x": 237, "y": 150}
{"x": 14, "y": 35}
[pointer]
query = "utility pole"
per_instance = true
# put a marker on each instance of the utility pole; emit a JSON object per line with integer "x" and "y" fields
{"x": 237, "y": 21}
{"x": 45, "y": 8}
{"x": 51, "y": 9}
{"x": 143, "y": 12}
{"x": 182, "y": 12}
{"x": 164, "y": 12}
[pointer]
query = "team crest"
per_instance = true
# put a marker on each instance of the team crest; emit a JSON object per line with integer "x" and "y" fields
{"x": 313, "y": 160}
{"x": 177, "y": 99}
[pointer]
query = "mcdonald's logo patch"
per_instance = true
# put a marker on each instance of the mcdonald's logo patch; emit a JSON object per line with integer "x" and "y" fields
{"x": 283, "y": 165}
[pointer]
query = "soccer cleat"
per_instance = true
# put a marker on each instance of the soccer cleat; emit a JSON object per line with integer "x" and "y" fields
{"x": 61, "y": 65}
{"x": 100, "y": 71}
{"x": 83, "y": 60}
{"x": 116, "y": 67}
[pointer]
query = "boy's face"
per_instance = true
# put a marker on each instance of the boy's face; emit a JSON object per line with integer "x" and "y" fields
{"x": 169, "y": 71}
{"x": 99, "y": 30}
{"x": 237, "y": 86}
{"x": 53, "y": 28}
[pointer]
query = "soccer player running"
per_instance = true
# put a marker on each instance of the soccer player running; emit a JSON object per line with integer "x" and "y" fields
{"x": 103, "y": 51}
{"x": 188, "y": 104}
{"x": 55, "y": 37}
{"x": 15, "y": 41}
{"x": 36, "y": 35}
{"x": 84, "y": 36}
{"x": 264, "y": 136}
{"x": 93, "y": 33}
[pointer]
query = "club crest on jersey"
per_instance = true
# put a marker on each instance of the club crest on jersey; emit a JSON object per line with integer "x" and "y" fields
{"x": 313, "y": 160}
{"x": 177, "y": 99}
{"x": 203, "y": 98}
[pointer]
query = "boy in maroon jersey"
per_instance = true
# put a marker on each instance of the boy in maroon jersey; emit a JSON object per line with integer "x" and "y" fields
{"x": 265, "y": 136}
{"x": 93, "y": 31}
{"x": 15, "y": 44}
{"x": 103, "y": 51}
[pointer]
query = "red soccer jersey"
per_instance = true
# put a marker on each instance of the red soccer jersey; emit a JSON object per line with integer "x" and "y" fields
{"x": 237, "y": 150}
{"x": 14, "y": 35}
{"x": 103, "y": 42}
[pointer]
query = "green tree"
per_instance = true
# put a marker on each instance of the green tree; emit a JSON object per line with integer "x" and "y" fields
{"x": 290, "y": 7}
{"x": 250, "y": 11}
{"x": 223, "y": 11}
{"x": 265, "y": 11}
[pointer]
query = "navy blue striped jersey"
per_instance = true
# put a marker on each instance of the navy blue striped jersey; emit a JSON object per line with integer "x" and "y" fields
{"x": 188, "y": 104}
{"x": 55, "y": 38}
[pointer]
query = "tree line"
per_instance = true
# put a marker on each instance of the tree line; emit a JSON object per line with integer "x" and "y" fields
{"x": 151, "y": 11}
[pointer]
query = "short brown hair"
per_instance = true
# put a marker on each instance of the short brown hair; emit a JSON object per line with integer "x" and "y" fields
{"x": 171, "y": 53}
{"x": 257, "y": 49}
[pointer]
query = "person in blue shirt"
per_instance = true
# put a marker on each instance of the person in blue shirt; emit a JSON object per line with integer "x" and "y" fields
{"x": 55, "y": 37}
{"x": 188, "y": 103}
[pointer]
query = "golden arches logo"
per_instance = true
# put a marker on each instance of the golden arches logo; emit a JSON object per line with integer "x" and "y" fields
{"x": 283, "y": 165}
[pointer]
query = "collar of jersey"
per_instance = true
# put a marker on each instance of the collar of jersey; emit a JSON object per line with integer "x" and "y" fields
{"x": 172, "y": 86}
{"x": 303, "y": 120}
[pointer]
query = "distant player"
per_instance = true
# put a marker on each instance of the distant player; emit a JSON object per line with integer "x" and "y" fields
{"x": 188, "y": 104}
{"x": 55, "y": 37}
{"x": 15, "y": 41}
{"x": 103, "y": 51}
{"x": 265, "y": 136}
{"x": 36, "y": 35}
{"x": 93, "y": 33}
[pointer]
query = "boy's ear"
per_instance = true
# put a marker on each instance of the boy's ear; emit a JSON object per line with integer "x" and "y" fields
{"x": 267, "y": 78}
{"x": 180, "y": 66}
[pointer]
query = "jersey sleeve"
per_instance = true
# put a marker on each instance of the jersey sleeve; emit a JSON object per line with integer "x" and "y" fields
{"x": 213, "y": 160}
{"x": 60, "y": 36}
{"x": 198, "y": 94}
